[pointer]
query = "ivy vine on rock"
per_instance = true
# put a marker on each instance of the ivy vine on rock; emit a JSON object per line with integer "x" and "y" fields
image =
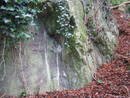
{"x": 57, "y": 19}
{"x": 16, "y": 15}
{"x": 14, "y": 18}
{"x": 65, "y": 22}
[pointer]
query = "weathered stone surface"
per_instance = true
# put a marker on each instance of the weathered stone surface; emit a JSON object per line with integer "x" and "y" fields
{"x": 45, "y": 64}
{"x": 106, "y": 28}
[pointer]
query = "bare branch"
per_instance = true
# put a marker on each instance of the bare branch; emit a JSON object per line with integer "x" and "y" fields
{"x": 122, "y": 4}
{"x": 3, "y": 95}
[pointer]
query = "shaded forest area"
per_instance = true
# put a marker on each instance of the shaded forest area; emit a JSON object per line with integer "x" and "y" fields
{"x": 111, "y": 80}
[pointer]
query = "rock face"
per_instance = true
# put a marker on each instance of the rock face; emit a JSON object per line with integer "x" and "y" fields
{"x": 46, "y": 64}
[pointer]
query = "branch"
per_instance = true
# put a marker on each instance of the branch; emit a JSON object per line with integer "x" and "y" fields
{"x": 122, "y": 4}
{"x": 3, "y": 95}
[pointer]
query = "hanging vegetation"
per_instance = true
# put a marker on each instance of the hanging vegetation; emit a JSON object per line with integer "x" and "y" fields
{"x": 14, "y": 18}
{"x": 57, "y": 19}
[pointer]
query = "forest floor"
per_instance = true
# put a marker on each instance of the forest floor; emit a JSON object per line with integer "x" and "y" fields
{"x": 112, "y": 80}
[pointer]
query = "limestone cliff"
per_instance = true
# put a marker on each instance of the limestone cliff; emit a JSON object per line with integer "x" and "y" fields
{"x": 46, "y": 63}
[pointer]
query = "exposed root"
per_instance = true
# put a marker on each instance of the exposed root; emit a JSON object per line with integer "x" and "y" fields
{"x": 3, "y": 61}
{"x": 22, "y": 72}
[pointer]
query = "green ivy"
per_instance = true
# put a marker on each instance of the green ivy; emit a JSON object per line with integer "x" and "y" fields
{"x": 57, "y": 19}
{"x": 23, "y": 94}
{"x": 15, "y": 16}
{"x": 65, "y": 22}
